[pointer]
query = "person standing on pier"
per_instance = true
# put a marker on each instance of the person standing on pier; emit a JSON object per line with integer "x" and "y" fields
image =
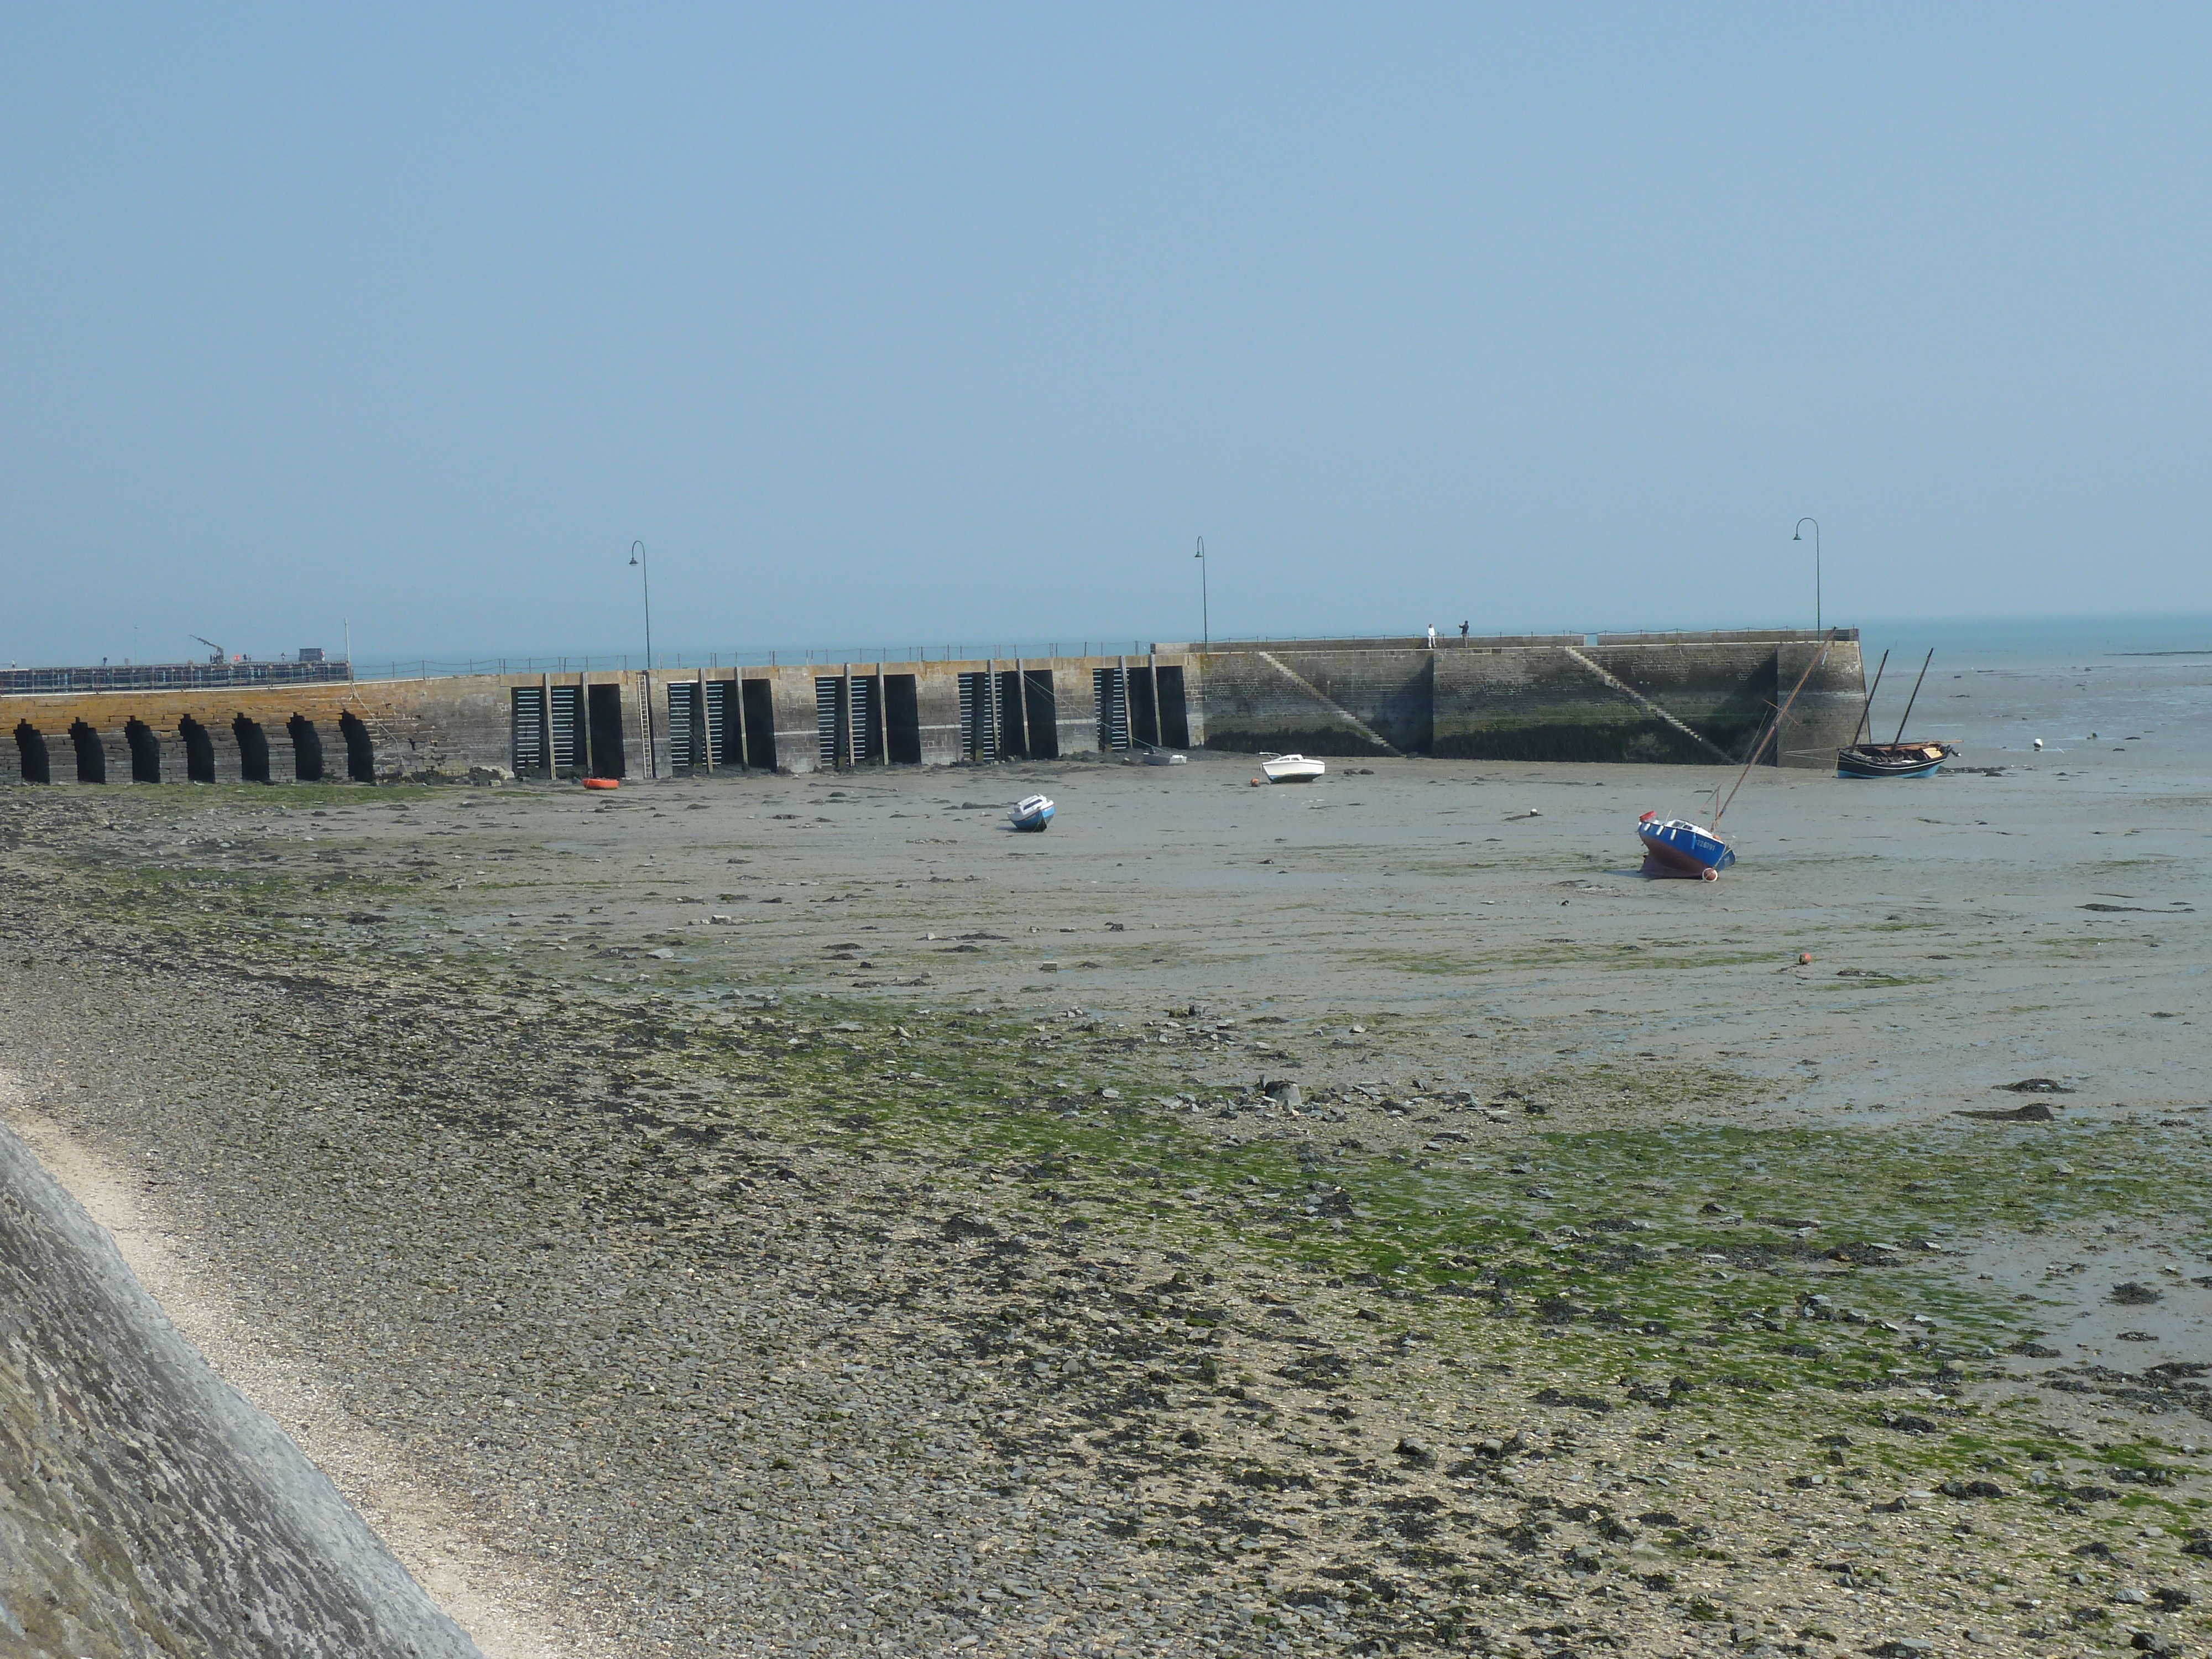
{"x": 1432, "y": 637}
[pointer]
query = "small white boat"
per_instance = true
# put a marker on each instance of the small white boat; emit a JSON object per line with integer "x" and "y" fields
{"x": 1162, "y": 757}
{"x": 1290, "y": 769}
{"x": 1032, "y": 813}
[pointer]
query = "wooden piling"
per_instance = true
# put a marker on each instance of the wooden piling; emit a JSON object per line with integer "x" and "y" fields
{"x": 1021, "y": 702}
{"x": 705, "y": 734}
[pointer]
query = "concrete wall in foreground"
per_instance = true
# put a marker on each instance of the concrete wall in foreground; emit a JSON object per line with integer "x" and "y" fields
{"x": 149, "y": 1511}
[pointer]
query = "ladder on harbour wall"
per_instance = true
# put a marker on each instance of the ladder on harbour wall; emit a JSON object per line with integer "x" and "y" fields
{"x": 979, "y": 710}
{"x": 529, "y": 723}
{"x": 1110, "y": 686}
{"x": 721, "y": 742}
{"x": 689, "y": 742}
{"x": 526, "y": 727}
{"x": 846, "y": 730}
{"x": 567, "y": 720}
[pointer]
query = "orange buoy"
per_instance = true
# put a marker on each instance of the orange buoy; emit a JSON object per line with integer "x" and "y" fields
{"x": 601, "y": 783}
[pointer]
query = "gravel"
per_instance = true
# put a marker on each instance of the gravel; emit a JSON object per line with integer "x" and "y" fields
{"x": 741, "y": 1318}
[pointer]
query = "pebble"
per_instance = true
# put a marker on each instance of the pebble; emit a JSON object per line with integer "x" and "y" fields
{"x": 766, "y": 1398}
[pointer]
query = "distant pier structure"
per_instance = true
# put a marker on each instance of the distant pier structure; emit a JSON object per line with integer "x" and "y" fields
{"x": 1679, "y": 698}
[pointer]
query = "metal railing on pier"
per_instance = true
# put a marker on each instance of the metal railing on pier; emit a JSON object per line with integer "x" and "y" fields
{"x": 170, "y": 676}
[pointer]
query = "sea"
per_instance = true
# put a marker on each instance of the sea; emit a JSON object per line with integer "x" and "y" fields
{"x": 2133, "y": 693}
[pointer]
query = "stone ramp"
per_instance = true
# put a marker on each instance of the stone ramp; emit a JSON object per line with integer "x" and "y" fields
{"x": 147, "y": 1510}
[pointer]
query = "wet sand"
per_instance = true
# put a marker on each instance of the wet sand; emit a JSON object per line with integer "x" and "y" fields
{"x": 772, "y": 1210}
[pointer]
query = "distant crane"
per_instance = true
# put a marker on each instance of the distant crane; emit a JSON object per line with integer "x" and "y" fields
{"x": 213, "y": 647}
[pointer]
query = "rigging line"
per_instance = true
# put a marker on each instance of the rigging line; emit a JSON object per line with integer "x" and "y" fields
{"x": 1867, "y": 712}
{"x": 1914, "y": 698}
{"x": 1780, "y": 714}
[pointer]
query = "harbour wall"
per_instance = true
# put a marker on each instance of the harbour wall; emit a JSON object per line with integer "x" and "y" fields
{"x": 1620, "y": 697}
{"x": 793, "y": 718}
{"x": 1648, "y": 698}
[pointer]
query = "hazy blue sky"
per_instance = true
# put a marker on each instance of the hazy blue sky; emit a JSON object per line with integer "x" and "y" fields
{"x": 917, "y": 322}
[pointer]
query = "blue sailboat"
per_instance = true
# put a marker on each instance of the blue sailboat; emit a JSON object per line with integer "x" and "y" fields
{"x": 1675, "y": 846}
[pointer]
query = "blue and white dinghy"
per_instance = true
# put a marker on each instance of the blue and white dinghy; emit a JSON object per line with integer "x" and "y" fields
{"x": 1032, "y": 813}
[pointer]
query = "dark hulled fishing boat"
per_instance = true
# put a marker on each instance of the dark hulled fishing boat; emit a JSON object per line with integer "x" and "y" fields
{"x": 1896, "y": 758}
{"x": 1893, "y": 760}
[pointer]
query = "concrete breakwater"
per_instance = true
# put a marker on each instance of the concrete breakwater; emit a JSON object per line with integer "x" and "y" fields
{"x": 1698, "y": 698}
{"x": 147, "y": 1508}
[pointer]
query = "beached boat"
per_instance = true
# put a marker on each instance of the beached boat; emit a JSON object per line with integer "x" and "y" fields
{"x": 1675, "y": 846}
{"x": 1032, "y": 813}
{"x": 1893, "y": 760}
{"x": 1164, "y": 757}
{"x": 1896, "y": 758}
{"x": 1290, "y": 769}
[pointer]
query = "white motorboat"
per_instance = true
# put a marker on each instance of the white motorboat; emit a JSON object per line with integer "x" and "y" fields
{"x": 1290, "y": 769}
{"x": 1032, "y": 813}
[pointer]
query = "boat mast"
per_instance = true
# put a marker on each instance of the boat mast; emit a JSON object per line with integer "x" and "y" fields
{"x": 1866, "y": 713}
{"x": 1780, "y": 714}
{"x": 1915, "y": 697}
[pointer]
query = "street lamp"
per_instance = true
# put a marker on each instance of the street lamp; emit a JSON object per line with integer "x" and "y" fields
{"x": 1205, "y": 609}
{"x": 1798, "y": 535}
{"x": 637, "y": 563}
{"x": 645, "y": 577}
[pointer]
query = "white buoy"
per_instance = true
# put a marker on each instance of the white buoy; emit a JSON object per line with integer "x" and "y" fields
{"x": 2039, "y": 743}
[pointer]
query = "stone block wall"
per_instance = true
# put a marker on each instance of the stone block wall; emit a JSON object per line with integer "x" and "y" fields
{"x": 151, "y": 1512}
{"x": 1564, "y": 699}
{"x": 1559, "y": 698}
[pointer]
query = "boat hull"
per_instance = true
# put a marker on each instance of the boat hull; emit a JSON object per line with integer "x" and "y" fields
{"x": 1891, "y": 759}
{"x": 1030, "y": 816}
{"x": 1292, "y": 768}
{"x": 1675, "y": 848}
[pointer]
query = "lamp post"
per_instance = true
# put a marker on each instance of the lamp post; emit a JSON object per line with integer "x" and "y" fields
{"x": 1798, "y": 535}
{"x": 1205, "y": 608}
{"x": 645, "y": 578}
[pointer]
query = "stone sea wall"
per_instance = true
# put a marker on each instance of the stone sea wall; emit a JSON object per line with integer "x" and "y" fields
{"x": 1698, "y": 699}
{"x": 147, "y": 1510}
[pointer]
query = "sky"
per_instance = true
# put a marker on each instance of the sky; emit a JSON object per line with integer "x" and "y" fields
{"x": 885, "y": 325}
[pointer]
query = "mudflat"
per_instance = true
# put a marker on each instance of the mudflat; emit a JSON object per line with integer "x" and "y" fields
{"x": 1356, "y": 1216}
